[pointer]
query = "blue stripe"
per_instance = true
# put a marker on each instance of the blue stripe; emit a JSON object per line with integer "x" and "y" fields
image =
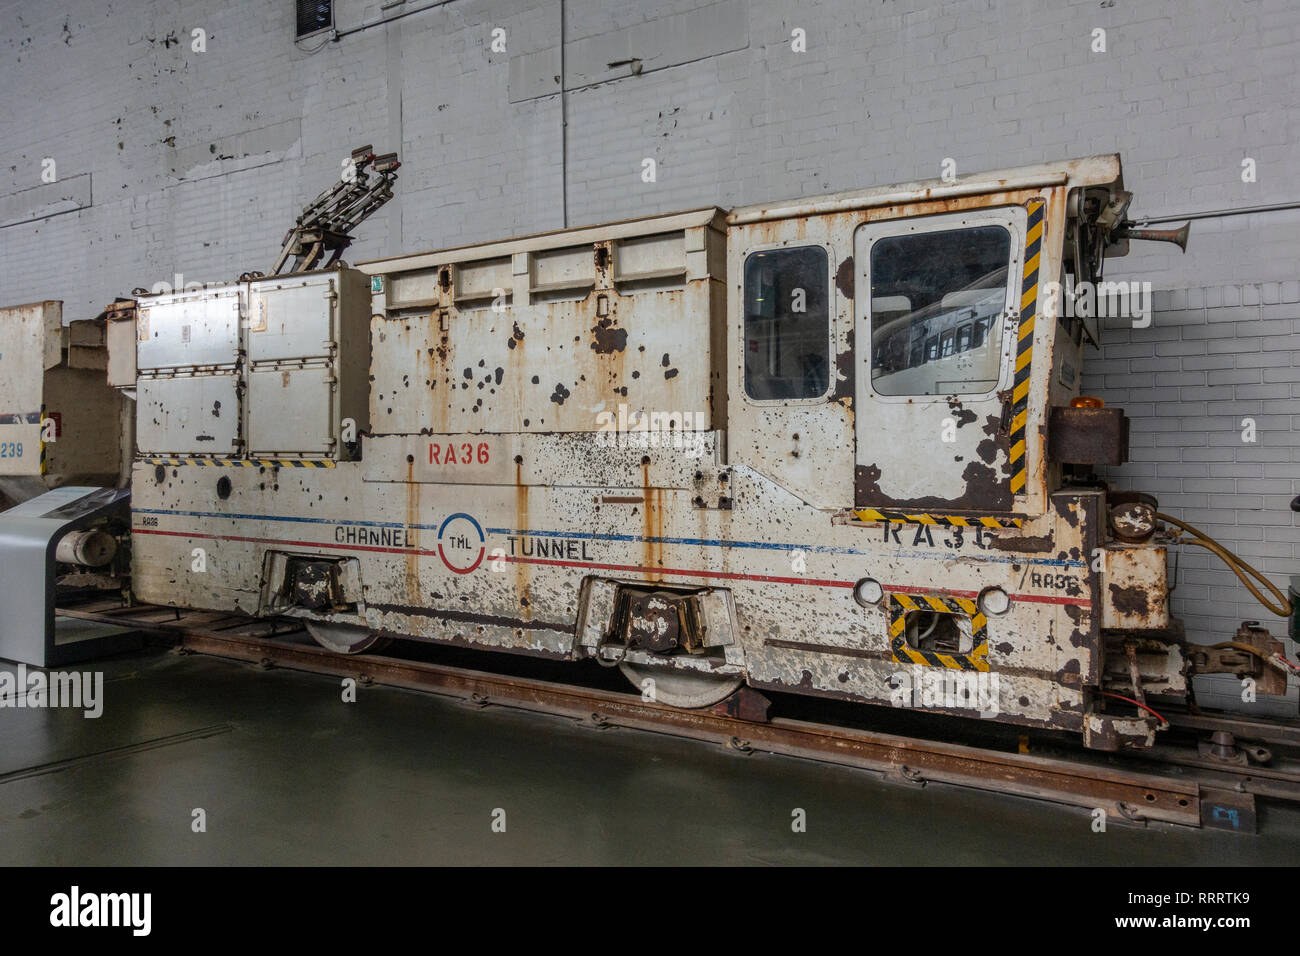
{"x": 630, "y": 538}
{"x": 223, "y": 514}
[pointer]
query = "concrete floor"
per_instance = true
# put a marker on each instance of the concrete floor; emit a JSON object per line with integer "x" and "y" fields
{"x": 288, "y": 774}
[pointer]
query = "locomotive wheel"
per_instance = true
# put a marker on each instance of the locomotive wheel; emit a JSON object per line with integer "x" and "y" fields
{"x": 681, "y": 688}
{"x": 345, "y": 638}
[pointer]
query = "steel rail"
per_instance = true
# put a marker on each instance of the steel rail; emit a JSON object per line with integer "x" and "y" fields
{"x": 1135, "y": 795}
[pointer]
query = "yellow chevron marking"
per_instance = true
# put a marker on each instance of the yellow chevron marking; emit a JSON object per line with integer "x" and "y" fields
{"x": 912, "y": 655}
{"x": 976, "y": 659}
{"x": 1026, "y": 330}
{"x": 962, "y": 521}
{"x": 1029, "y": 297}
{"x": 1018, "y": 423}
{"x": 1017, "y": 482}
{"x": 1035, "y": 231}
{"x": 241, "y": 462}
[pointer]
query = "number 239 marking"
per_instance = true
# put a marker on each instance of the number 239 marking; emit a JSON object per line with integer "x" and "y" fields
{"x": 11, "y": 449}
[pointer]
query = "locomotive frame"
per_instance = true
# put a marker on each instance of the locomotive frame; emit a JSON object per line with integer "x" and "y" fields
{"x": 559, "y": 452}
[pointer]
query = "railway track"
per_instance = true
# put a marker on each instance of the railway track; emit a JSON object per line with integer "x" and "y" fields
{"x": 1175, "y": 783}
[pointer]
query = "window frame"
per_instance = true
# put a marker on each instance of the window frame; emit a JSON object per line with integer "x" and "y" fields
{"x": 1013, "y": 218}
{"x": 832, "y": 308}
{"x": 947, "y": 343}
{"x": 298, "y": 10}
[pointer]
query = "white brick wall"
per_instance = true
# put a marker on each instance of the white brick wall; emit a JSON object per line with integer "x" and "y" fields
{"x": 886, "y": 91}
{"x": 1213, "y": 359}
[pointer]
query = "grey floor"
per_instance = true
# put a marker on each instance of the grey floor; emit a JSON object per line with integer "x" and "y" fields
{"x": 289, "y": 774}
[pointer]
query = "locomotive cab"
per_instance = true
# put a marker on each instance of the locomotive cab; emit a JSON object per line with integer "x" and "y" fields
{"x": 908, "y": 365}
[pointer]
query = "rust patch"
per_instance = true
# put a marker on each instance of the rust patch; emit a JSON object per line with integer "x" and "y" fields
{"x": 845, "y": 369}
{"x": 1131, "y": 601}
{"x": 1025, "y": 545}
{"x": 963, "y": 415}
{"x": 844, "y": 365}
{"x": 607, "y": 339}
{"x": 984, "y": 492}
{"x": 866, "y": 480}
{"x": 652, "y": 521}
{"x": 844, "y": 278}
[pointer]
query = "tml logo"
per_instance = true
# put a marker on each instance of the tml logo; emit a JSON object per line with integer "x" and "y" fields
{"x": 102, "y": 909}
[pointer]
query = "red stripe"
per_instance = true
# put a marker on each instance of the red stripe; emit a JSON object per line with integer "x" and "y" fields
{"x": 1031, "y": 598}
{"x": 632, "y": 568}
{"x": 820, "y": 582}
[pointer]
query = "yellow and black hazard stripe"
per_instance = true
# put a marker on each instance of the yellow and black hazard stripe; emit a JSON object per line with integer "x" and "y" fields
{"x": 41, "y": 422}
{"x": 950, "y": 521}
{"x": 244, "y": 462}
{"x": 1025, "y": 348}
{"x": 904, "y": 653}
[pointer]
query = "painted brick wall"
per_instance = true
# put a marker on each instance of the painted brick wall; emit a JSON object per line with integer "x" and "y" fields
{"x": 198, "y": 163}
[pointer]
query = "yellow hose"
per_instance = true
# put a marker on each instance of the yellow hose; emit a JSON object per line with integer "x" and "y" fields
{"x": 1236, "y": 565}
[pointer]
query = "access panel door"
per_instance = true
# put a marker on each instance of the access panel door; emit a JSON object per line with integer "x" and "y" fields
{"x": 937, "y": 313}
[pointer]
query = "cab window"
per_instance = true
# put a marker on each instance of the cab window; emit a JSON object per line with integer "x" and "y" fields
{"x": 956, "y": 283}
{"x": 787, "y": 324}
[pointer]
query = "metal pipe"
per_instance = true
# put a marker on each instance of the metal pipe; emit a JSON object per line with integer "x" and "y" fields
{"x": 380, "y": 21}
{"x": 564, "y": 132}
{"x": 1219, "y": 213}
{"x": 90, "y": 549}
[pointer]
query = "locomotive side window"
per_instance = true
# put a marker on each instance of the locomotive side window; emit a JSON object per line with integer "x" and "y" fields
{"x": 787, "y": 324}
{"x": 949, "y": 339}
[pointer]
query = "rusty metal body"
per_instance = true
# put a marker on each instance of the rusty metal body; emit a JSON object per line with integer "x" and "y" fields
{"x": 569, "y": 428}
